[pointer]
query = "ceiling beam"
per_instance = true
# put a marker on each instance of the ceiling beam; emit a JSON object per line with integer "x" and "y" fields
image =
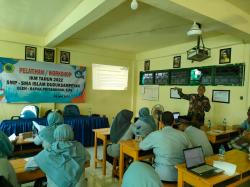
{"x": 231, "y": 19}
{"x": 84, "y": 14}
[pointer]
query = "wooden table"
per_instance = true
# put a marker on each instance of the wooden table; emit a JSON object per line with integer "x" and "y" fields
{"x": 28, "y": 176}
{"x": 220, "y": 136}
{"x": 22, "y": 146}
{"x": 236, "y": 157}
{"x": 103, "y": 135}
{"x": 131, "y": 148}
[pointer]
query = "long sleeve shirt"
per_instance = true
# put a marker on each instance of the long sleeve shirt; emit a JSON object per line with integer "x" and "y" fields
{"x": 198, "y": 105}
{"x": 167, "y": 145}
{"x": 198, "y": 138}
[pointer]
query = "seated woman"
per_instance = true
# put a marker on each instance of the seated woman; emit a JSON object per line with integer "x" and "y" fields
{"x": 64, "y": 161}
{"x": 242, "y": 142}
{"x": 45, "y": 136}
{"x": 145, "y": 124}
{"x": 120, "y": 131}
{"x": 140, "y": 174}
{"x": 6, "y": 169}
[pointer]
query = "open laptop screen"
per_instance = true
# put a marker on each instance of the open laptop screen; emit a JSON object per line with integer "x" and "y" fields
{"x": 176, "y": 115}
{"x": 194, "y": 157}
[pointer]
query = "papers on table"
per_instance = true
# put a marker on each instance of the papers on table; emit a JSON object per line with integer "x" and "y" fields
{"x": 12, "y": 137}
{"x": 27, "y": 159}
{"x": 29, "y": 139}
{"x": 215, "y": 132}
{"x": 38, "y": 127}
{"x": 226, "y": 166}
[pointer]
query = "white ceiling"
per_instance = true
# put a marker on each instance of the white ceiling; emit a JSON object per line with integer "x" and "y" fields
{"x": 35, "y": 17}
{"x": 144, "y": 29}
{"x": 241, "y": 4}
{"x": 112, "y": 24}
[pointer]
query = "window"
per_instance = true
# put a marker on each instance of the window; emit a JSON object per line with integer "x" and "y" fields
{"x": 107, "y": 77}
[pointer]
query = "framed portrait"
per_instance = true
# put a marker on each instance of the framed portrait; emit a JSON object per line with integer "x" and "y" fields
{"x": 174, "y": 93}
{"x": 64, "y": 57}
{"x": 221, "y": 96}
{"x": 49, "y": 55}
{"x": 177, "y": 62}
{"x": 146, "y": 65}
{"x": 225, "y": 56}
{"x": 30, "y": 53}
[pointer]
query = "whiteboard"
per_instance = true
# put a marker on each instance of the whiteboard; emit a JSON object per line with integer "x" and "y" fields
{"x": 150, "y": 92}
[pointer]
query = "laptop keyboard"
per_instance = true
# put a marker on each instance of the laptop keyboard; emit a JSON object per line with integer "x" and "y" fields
{"x": 202, "y": 169}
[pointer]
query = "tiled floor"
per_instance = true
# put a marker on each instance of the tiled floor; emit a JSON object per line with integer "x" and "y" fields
{"x": 94, "y": 176}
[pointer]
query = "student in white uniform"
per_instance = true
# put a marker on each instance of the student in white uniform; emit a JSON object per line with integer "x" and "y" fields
{"x": 45, "y": 136}
{"x": 6, "y": 169}
{"x": 120, "y": 131}
{"x": 63, "y": 162}
{"x": 140, "y": 174}
{"x": 196, "y": 136}
{"x": 145, "y": 124}
{"x": 167, "y": 144}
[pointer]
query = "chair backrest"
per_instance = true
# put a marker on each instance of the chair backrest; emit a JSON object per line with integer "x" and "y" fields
{"x": 71, "y": 111}
{"x": 30, "y": 111}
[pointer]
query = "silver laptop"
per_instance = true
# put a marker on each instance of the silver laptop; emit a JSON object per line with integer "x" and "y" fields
{"x": 195, "y": 163}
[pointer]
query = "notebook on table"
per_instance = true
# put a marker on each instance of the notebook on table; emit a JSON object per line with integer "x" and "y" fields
{"x": 195, "y": 163}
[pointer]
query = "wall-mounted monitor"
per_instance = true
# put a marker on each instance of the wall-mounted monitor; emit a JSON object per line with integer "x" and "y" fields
{"x": 162, "y": 77}
{"x": 195, "y": 75}
{"x": 146, "y": 78}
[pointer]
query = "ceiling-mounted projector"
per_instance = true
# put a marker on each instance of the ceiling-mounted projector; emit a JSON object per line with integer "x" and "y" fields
{"x": 197, "y": 53}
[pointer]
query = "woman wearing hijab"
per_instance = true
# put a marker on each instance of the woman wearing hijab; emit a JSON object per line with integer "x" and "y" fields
{"x": 45, "y": 136}
{"x": 145, "y": 124}
{"x": 63, "y": 161}
{"x": 6, "y": 170}
{"x": 120, "y": 131}
{"x": 140, "y": 174}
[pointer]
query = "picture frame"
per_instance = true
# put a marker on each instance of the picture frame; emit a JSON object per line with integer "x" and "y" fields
{"x": 146, "y": 65}
{"x": 177, "y": 62}
{"x": 225, "y": 56}
{"x": 30, "y": 53}
{"x": 221, "y": 96}
{"x": 174, "y": 93}
{"x": 64, "y": 57}
{"x": 49, "y": 55}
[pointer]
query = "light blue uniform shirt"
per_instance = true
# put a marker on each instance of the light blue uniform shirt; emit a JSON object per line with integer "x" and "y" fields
{"x": 140, "y": 174}
{"x": 199, "y": 138}
{"x": 167, "y": 145}
{"x": 245, "y": 125}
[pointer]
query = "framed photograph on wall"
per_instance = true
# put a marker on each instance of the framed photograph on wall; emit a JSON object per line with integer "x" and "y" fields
{"x": 49, "y": 55}
{"x": 225, "y": 56}
{"x": 174, "y": 93}
{"x": 64, "y": 57}
{"x": 30, "y": 53}
{"x": 177, "y": 62}
{"x": 146, "y": 65}
{"x": 221, "y": 96}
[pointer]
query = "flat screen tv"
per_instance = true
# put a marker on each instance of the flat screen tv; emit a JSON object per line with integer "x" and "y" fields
{"x": 195, "y": 75}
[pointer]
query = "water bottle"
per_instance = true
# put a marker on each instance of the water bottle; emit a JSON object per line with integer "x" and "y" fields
{"x": 224, "y": 123}
{"x": 222, "y": 150}
{"x": 209, "y": 124}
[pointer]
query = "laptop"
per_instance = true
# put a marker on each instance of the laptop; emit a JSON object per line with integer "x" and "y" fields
{"x": 195, "y": 162}
{"x": 176, "y": 116}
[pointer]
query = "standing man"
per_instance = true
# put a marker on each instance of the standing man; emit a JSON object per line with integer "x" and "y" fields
{"x": 198, "y": 104}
